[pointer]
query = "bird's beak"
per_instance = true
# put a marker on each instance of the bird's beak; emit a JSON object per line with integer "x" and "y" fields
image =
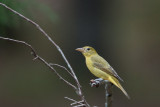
{"x": 80, "y": 49}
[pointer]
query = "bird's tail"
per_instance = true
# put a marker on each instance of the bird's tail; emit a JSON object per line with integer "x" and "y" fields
{"x": 116, "y": 83}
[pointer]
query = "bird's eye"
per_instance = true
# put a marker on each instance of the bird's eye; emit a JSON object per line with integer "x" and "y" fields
{"x": 88, "y": 49}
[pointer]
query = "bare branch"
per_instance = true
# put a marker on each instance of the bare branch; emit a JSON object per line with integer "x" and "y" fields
{"x": 36, "y": 56}
{"x": 62, "y": 68}
{"x": 108, "y": 94}
{"x": 45, "y": 34}
{"x": 79, "y": 92}
{"x": 108, "y": 89}
{"x": 76, "y": 103}
{"x": 21, "y": 42}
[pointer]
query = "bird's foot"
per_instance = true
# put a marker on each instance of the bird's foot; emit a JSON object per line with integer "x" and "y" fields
{"x": 96, "y": 82}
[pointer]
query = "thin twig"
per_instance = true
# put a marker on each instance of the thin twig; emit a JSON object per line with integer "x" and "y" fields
{"x": 41, "y": 30}
{"x": 36, "y": 56}
{"x": 74, "y": 104}
{"x": 79, "y": 91}
{"x": 62, "y": 68}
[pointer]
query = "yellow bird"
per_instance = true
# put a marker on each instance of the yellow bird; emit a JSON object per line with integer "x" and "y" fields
{"x": 100, "y": 67}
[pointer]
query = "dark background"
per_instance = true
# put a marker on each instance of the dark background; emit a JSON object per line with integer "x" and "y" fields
{"x": 125, "y": 32}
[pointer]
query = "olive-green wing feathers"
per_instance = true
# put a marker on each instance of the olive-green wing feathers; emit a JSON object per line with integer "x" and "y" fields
{"x": 103, "y": 65}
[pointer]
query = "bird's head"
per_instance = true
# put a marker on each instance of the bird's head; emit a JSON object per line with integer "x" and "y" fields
{"x": 87, "y": 51}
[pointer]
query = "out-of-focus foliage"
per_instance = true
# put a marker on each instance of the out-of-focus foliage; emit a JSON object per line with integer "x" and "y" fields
{"x": 26, "y": 8}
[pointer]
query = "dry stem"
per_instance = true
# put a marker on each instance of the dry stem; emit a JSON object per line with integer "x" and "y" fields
{"x": 78, "y": 91}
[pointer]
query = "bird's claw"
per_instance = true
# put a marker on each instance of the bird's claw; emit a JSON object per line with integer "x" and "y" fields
{"x": 94, "y": 83}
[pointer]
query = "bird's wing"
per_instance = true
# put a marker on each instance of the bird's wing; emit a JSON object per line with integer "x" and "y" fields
{"x": 103, "y": 65}
{"x": 115, "y": 73}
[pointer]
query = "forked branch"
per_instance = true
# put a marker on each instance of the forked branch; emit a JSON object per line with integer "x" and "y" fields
{"x": 36, "y": 56}
{"x": 78, "y": 88}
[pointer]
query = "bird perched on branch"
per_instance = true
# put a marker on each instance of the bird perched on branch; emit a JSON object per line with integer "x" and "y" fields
{"x": 100, "y": 67}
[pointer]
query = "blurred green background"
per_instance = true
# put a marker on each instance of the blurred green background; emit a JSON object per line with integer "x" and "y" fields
{"x": 125, "y": 32}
